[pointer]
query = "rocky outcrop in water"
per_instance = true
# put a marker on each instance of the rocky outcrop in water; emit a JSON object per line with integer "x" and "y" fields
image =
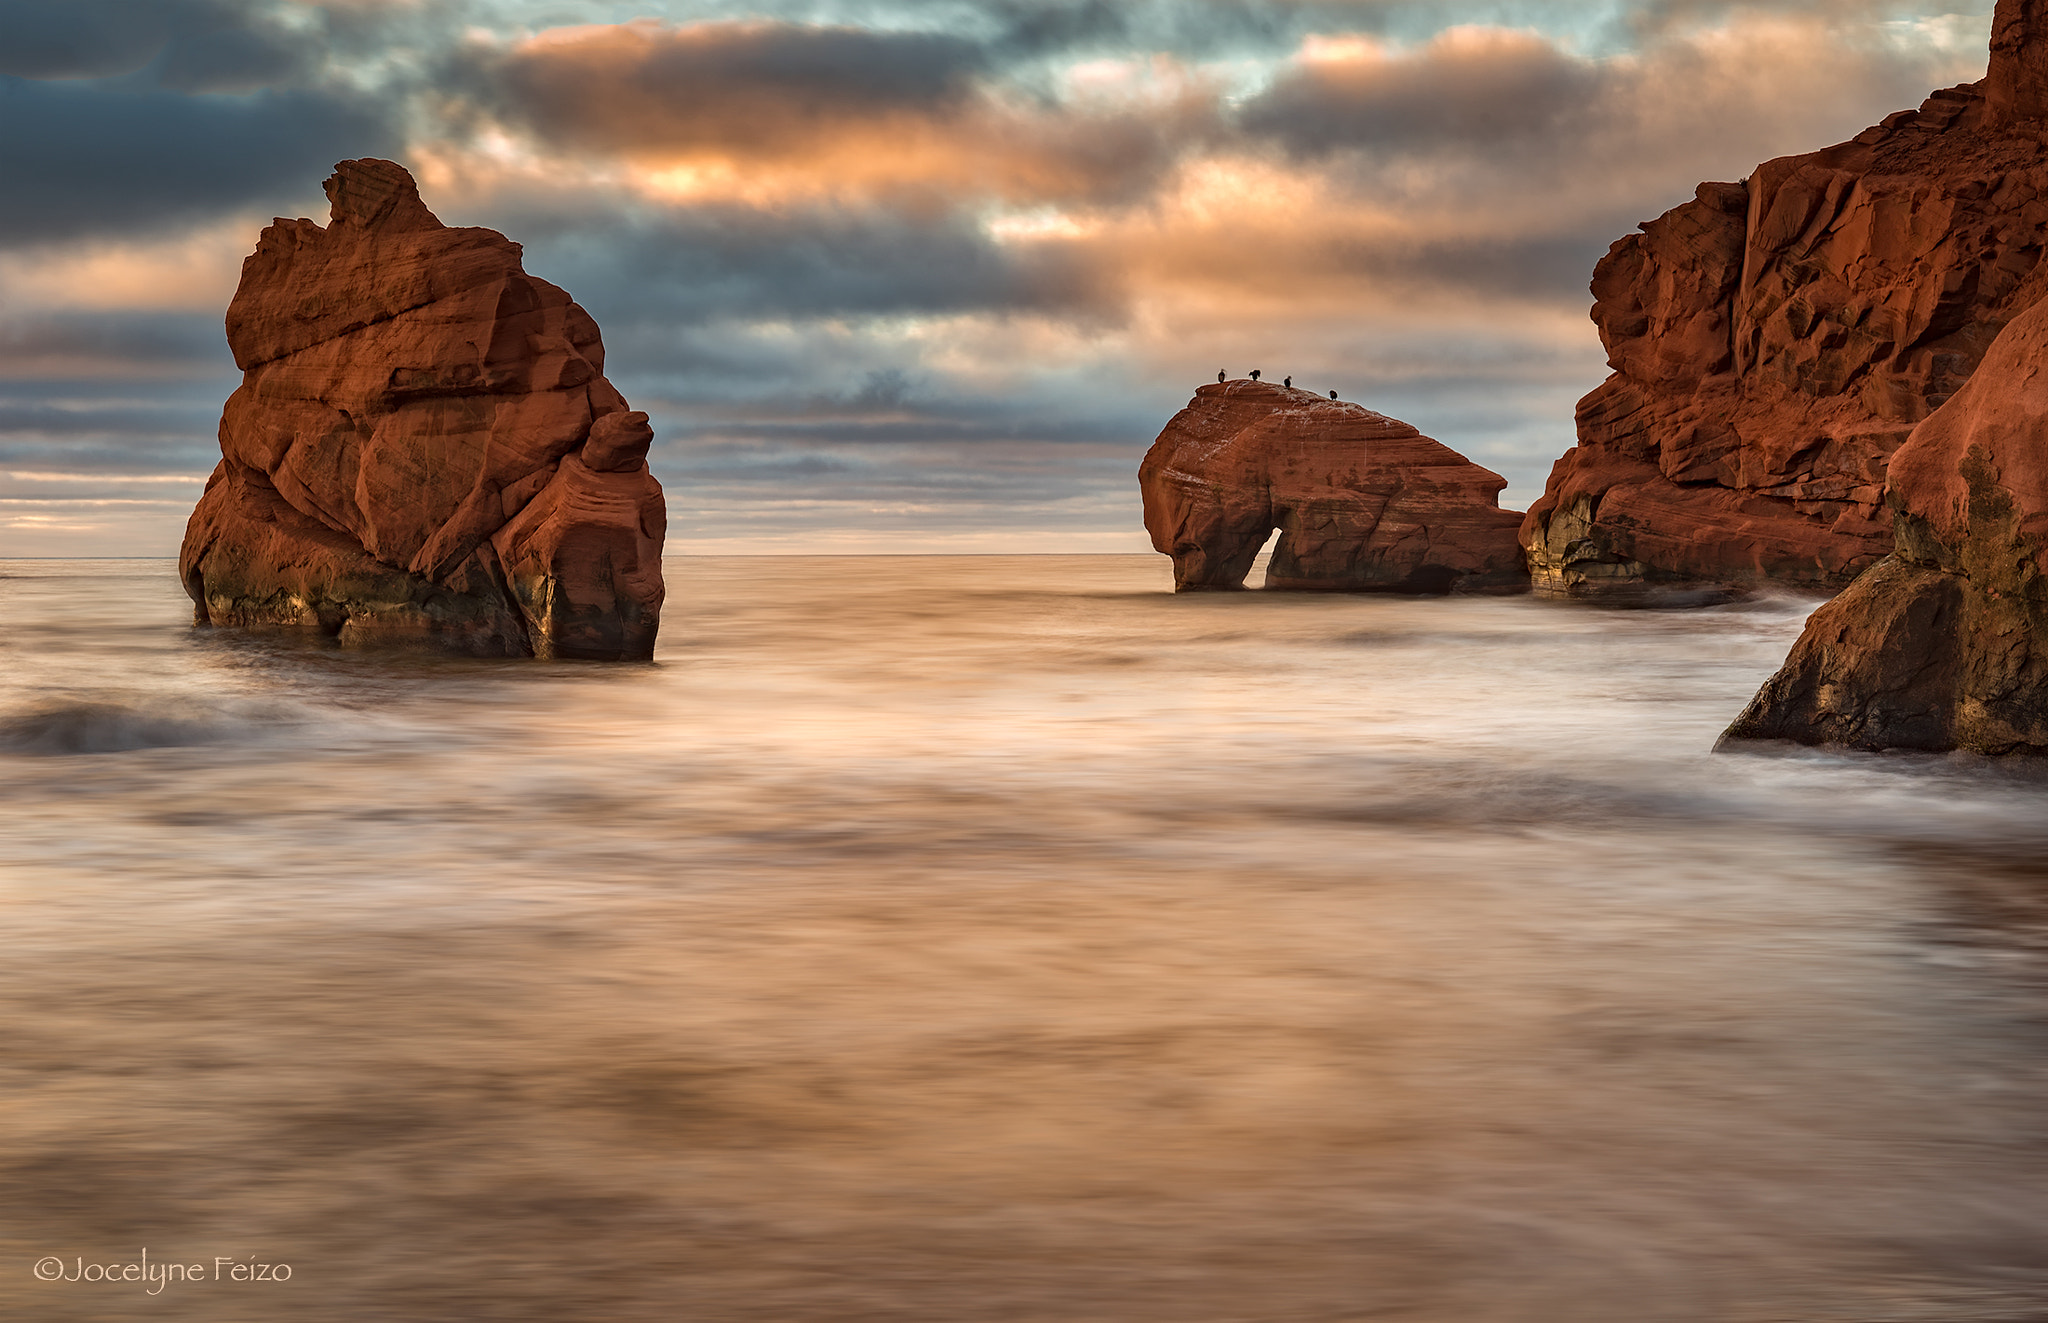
{"x": 1944, "y": 644}
{"x": 1774, "y": 342}
{"x": 1363, "y": 502}
{"x": 424, "y": 447}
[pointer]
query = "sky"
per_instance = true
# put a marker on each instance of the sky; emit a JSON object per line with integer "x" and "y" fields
{"x": 899, "y": 275}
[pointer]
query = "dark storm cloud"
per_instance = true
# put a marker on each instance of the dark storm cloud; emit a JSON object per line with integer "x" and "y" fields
{"x": 1501, "y": 89}
{"x": 752, "y": 86}
{"x": 1190, "y": 29}
{"x": 227, "y": 56}
{"x": 82, "y": 38}
{"x": 1037, "y": 29}
{"x": 733, "y": 260}
{"x": 189, "y": 45}
{"x": 82, "y": 160}
{"x": 118, "y": 116}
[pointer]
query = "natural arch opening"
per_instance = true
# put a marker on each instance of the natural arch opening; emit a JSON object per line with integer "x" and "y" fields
{"x": 1262, "y": 560}
{"x": 1431, "y": 581}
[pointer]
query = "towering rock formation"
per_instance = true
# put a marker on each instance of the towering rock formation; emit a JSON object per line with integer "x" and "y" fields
{"x": 2017, "y": 83}
{"x": 1774, "y": 341}
{"x": 424, "y": 446}
{"x": 1943, "y": 644}
{"x": 1363, "y": 503}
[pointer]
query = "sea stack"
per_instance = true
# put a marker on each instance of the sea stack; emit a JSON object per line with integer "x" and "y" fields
{"x": 1944, "y": 644}
{"x": 424, "y": 448}
{"x": 1774, "y": 341}
{"x": 1363, "y": 502}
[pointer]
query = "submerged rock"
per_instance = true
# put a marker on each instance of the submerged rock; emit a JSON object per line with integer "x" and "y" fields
{"x": 1943, "y": 644}
{"x": 1363, "y": 502}
{"x": 1774, "y": 342}
{"x": 424, "y": 446}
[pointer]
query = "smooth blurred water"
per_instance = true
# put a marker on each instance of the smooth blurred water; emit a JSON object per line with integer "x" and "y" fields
{"x": 963, "y": 939}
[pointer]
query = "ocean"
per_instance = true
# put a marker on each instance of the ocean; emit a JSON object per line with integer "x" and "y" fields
{"x": 955, "y": 939}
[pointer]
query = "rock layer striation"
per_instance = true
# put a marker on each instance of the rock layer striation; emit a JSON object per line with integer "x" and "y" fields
{"x": 1774, "y": 341}
{"x": 1362, "y": 502}
{"x": 424, "y": 447}
{"x": 1943, "y": 644}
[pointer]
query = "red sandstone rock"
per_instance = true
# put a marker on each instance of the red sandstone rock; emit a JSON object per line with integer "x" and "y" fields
{"x": 1774, "y": 341}
{"x": 424, "y": 446}
{"x": 1943, "y": 644}
{"x": 1363, "y": 502}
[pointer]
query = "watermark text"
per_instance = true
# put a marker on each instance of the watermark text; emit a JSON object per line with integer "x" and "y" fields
{"x": 154, "y": 1275}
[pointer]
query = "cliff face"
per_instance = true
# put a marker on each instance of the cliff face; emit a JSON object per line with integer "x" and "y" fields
{"x": 1363, "y": 502}
{"x": 1775, "y": 341}
{"x": 1944, "y": 644}
{"x": 424, "y": 446}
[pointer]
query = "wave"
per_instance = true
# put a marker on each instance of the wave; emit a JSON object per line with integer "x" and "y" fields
{"x": 92, "y": 726}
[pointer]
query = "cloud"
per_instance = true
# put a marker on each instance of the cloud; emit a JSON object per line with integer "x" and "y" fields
{"x": 88, "y": 471}
{"x": 1501, "y": 163}
{"x": 125, "y": 116}
{"x": 64, "y": 345}
{"x": 1651, "y": 18}
{"x": 729, "y": 260}
{"x": 932, "y": 266}
{"x": 770, "y": 110}
{"x": 236, "y": 52}
{"x": 793, "y": 170}
{"x": 91, "y": 161}
{"x": 879, "y": 473}
{"x": 1038, "y": 29}
{"x": 1519, "y": 105}
{"x": 756, "y": 87}
{"x": 187, "y": 45}
{"x": 1468, "y": 86}
{"x": 192, "y": 270}
{"x": 82, "y": 38}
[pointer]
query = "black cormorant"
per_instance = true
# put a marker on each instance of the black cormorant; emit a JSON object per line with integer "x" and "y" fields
{"x": 1333, "y": 395}
{"x": 1219, "y": 376}
{"x": 1287, "y": 382}
{"x": 1255, "y": 374}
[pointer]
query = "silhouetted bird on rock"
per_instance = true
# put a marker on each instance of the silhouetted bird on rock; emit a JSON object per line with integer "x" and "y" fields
{"x": 1255, "y": 374}
{"x": 1333, "y": 395}
{"x": 1219, "y": 376}
{"x": 1287, "y": 382}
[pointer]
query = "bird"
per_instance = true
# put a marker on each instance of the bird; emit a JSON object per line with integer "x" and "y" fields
{"x": 1219, "y": 376}
{"x": 1287, "y": 382}
{"x": 1255, "y": 374}
{"x": 1333, "y": 395}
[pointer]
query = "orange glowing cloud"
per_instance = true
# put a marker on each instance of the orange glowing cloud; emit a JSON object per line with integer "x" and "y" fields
{"x": 768, "y": 112}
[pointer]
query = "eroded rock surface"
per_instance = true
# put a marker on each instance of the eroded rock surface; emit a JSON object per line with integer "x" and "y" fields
{"x": 1775, "y": 341}
{"x": 424, "y": 446}
{"x": 1943, "y": 644}
{"x": 1363, "y": 502}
